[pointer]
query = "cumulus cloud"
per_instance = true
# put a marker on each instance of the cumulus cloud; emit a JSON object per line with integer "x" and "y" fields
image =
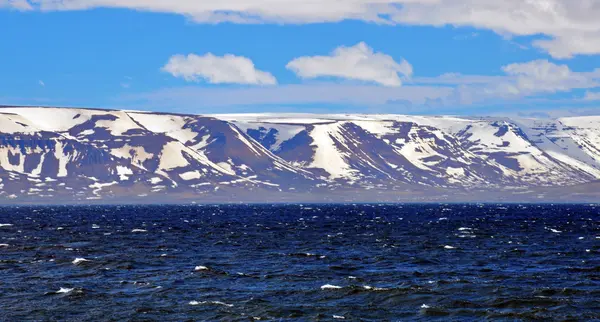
{"x": 228, "y": 69}
{"x": 359, "y": 62}
{"x": 542, "y": 76}
{"x": 572, "y": 26}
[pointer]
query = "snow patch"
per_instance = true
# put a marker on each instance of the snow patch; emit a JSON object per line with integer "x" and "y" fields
{"x": 455, "y": 172}
{"x": 327, "y": 156}
{"x": 124, "y": 173}
{"x": 191, "y": 175}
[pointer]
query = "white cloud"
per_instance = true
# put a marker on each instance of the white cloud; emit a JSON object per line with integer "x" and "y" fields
{"x": 247, "y": 11}
{"x": 592, "y": 96}
{"x": 569, "y": 44}
{"x": 41, "y": 82}
{"x": 521, "y": 84}
{"x": 16, "y": 4}
{"x": 520, "y": 80}
{"x": 542, "y": 76}
{"x": 228, "y": 69}
{"x": 572, "y": 26}
{"x": 357, "y": 95}
{"x": 459, "y": 79}
{"x": 359, "y": 62}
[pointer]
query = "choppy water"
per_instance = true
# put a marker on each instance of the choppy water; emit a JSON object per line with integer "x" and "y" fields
{"x": 363, "y": 262}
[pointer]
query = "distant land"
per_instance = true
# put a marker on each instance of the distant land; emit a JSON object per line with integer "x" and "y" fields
{"x": 73, "y": 155}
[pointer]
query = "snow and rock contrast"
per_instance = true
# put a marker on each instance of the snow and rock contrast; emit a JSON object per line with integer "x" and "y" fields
{"x": 83, "y": 155}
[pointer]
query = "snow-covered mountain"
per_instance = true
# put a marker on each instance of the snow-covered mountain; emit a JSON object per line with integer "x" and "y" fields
{"x": 80, "y": 155}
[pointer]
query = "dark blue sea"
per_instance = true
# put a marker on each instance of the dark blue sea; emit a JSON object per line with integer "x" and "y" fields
{"x": 300, "y": 263}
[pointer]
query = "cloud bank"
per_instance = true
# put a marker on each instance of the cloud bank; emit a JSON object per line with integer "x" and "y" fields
{"x": 522, "y": 82}
{"x": 571, "y": 27}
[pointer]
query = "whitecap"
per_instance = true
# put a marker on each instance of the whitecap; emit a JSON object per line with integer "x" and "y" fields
{"x": 78, "y": 261}
{"x": 449, "y": 247}
{"x": 64, "y": 290}
{"x": 94, "y": 226}
{"x": 6, "y": 225}
{"x": 4, "y": 245}
{"x": 139, "y": 231}
{"x": 371, "y": 288}
{"x": 339, "y": 317}
{"x": 201, "y": 268}
{"x": 425, "y": 306}
{"x": 210, "y": 302}
{"x": 464, "y": 228}
{"x": 330, "y": 287}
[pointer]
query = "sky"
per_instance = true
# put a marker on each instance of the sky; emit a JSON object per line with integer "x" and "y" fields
{"x": 459, "y": 57}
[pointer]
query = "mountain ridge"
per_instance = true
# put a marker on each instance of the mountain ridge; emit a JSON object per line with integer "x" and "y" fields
{"x": 82, "y": 155}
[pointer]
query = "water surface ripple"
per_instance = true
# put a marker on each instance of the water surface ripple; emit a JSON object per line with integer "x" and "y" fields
{"x": 300, "y": 262}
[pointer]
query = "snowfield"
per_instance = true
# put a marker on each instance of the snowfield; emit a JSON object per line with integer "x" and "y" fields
{"x": 88, "y": 153}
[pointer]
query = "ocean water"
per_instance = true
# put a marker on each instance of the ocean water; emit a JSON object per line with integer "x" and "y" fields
{"x": 300, "y": 263}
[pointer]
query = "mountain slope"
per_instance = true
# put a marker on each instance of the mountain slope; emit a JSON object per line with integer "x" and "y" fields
{"x": 71, "y": 155}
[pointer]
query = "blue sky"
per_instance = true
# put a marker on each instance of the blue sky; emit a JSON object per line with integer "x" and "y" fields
{"x": 409, "y": 56}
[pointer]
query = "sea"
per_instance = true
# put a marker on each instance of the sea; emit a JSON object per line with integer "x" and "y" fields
{"x": 363, "y": 262}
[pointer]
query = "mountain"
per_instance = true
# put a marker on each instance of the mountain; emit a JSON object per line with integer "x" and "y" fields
{"x": 68, "y": 155}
